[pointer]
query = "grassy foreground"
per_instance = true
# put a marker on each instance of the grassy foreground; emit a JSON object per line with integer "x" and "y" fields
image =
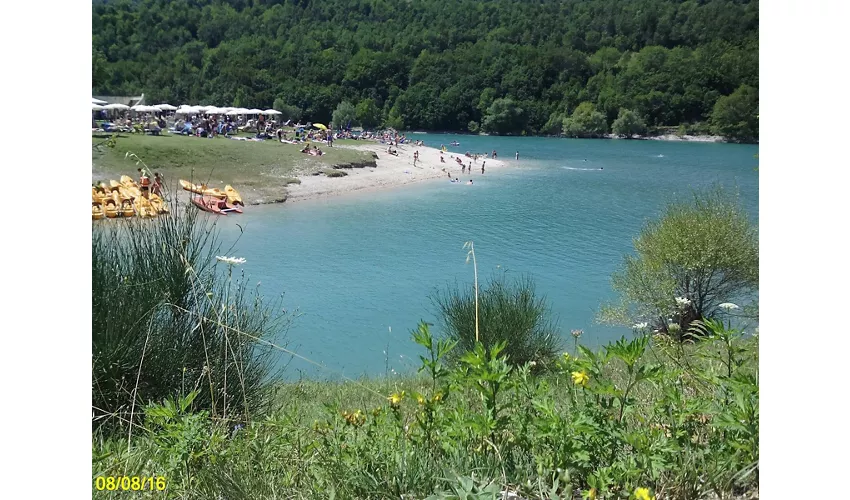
{"x": 259, "y": 170}
{"x": 641, "y": 419}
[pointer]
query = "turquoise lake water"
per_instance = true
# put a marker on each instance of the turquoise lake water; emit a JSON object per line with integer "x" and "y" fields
{"x": 359, "y": 268}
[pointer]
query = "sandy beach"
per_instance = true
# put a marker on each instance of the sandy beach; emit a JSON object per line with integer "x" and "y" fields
{"x": 391, "y": 171}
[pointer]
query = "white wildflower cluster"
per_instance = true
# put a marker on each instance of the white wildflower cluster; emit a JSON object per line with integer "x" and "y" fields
{"x": 640, "y": 326}
{"x": 728, "y": 306}
{"x": 683, "y": 301}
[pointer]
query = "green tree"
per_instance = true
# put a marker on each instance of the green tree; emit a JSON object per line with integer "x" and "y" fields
{"x": 554, "y": 125}
{"x": 472, "y": 126}
{"x": 704, "y": 253}
{"x": 368, "y": 114}
{"x": 288, "y": 111}
{"x": 344, "y": 114}
{"x": 585, "y": 122}
{"x": 99, "y": 73}
{"x": 629, "y": 124}
{"x": 736, "y": 116}
{"x": 394, "y": 119}
{"x": 504, "y": 116}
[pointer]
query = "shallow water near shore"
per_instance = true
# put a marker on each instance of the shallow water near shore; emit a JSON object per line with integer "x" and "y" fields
{"x": 359, "y": 268}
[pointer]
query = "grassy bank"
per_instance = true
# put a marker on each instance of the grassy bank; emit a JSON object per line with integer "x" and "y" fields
{"x": 259, "y": 170}
{"x": 680, "y": 421}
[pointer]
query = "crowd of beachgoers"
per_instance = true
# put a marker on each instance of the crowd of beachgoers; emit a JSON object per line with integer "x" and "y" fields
{"x": 401, "y": 159}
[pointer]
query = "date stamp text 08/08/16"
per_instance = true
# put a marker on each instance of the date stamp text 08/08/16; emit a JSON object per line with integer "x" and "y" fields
{"x": 130, "y": 483}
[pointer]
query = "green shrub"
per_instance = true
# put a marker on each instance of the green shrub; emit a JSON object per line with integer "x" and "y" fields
{"x": 335, "y": 173}
{"x": 696, "y": 257}
{"x": 165, "y": 322}
{"x": 508, "y": 312}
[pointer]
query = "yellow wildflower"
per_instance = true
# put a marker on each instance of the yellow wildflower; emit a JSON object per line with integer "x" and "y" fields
{"x": 420, "y": 399}
{"x": 591, "y": 494}
{"x": 438, "y": 397}
{"x": 643, "y": 494}
{"x": 580, "y": 378}
{"x": 395, "y": 399}
{"x": 356, "y": 419}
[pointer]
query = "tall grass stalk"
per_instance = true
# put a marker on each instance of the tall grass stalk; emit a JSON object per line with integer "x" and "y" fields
{"x": 471, "y": 253}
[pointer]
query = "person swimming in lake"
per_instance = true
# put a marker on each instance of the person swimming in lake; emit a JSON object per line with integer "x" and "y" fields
{"x": 469, "y": 183}
{"x": 482, "y": 169}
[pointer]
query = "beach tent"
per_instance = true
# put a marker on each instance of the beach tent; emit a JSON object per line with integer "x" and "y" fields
{"x": 320, "y": 126}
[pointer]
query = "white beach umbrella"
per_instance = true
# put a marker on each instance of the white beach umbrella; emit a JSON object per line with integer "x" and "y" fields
{"x": 96, "y": 107}
{"x": 233, "y": 112}
{"x": 166, "y": 107}
{"x": 116, "y": 106}
{"x": 255, "y": 111}
{"x": 272, "y": 112}
{"x": 97, "y": 101}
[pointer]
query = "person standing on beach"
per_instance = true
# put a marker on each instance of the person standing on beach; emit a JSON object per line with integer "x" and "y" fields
{"x": 156, "y": 188}
{"x": 494, "y": 154}
{"x": 517, "y": 155}
{"x": 144, "y": 182}
{"x": 470, "y": 166}
{"x": 482, "y": 169}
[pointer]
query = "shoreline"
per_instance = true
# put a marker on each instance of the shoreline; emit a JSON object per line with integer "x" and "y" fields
{"x": 672, "y": 137}
{"x": 390, "y": 172}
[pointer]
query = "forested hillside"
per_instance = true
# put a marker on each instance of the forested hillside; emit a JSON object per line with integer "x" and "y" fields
{"x": 502, "y": 66}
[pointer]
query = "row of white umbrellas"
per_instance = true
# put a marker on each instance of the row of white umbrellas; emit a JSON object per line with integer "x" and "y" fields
{"x": 183, "y": 109}
{"x": 142, "y": 108}
{"x": 214, "y": 110}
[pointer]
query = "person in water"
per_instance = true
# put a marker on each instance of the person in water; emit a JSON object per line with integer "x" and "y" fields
{"x": 469, "y": 183}
{"x": 517, "y": 155}
{"x": 482, "y": 169}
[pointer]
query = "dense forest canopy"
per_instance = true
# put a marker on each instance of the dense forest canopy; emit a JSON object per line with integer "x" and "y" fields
{"x": 506, "y": 66}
